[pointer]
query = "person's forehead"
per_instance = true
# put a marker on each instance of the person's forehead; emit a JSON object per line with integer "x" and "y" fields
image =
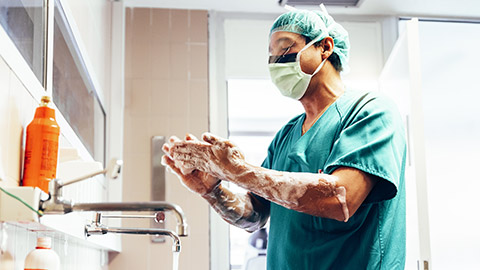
{"x": 278, "y": 38}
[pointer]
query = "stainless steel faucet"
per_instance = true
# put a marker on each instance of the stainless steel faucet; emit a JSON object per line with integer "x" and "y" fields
{"x": 93, "y": 230}
{"x": 96, "y": 228}
{"x": 56, "y": 204}
{"x": 182, "y": 227}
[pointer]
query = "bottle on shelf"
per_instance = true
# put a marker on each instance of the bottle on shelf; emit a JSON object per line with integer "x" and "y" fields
{"x": 42, "y": 257}
{"x": 41, "y": 147}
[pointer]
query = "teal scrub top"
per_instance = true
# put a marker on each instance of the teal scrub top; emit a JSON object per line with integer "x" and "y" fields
{"x": 363, "y": 131}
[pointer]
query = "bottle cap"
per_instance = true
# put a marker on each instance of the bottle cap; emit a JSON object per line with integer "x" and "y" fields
{"x": 44, "y": 242}
{"x": 45, "y": 100}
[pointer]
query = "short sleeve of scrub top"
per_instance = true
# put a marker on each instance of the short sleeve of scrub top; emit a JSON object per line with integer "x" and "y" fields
{"x": 371, "y": 140}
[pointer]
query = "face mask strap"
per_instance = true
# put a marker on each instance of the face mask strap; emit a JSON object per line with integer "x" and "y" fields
{"x": 307, "y": 46}
{"x": 319, "y": 67}
{"x": 325, "y": 29}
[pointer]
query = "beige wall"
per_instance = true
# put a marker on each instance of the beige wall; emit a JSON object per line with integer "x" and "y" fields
{"x": 166, "y": 93}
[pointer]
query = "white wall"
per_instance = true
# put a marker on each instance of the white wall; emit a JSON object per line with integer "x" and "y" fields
{"x": 20, "y": 94}
{"x": 246, "y": 49}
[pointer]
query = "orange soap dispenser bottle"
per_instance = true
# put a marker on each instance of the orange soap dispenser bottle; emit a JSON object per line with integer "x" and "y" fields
{"x": 41, "y": 148}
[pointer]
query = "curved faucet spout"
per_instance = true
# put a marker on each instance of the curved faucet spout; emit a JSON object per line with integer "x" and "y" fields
{"x": 182, "y": 227}
{"x": 92, "y": 230}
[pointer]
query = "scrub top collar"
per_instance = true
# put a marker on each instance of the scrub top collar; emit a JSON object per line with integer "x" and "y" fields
{"x": 302, "y": 142}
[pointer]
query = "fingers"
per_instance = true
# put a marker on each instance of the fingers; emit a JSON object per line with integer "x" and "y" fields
{"x": 190, "y": 137}
{"x": 212, "y": 139}
{"x": 166, "y": 149}
{"x": 174, "y": 139}
{"x": 209, "y": 138}
{"x": 187, "y": 154}
{"x": 167, "y": 161}
{"x": 189, "y": 149}
{"x": 189, "y": 159}
{"x": 179, "y": 170}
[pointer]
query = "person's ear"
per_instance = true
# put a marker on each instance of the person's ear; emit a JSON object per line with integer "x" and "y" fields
{"x": 327, "y": 46}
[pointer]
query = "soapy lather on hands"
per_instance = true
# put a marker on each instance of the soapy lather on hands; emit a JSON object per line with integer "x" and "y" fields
{"x": 195, "y": 180}
{"x": 203, "y": 164}
{"x": 241, "y": 210}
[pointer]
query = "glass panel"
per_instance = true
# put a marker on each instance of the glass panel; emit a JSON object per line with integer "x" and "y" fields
{"x": 395, "y": 82}
{"x": 23, "y": 22}
{"x": 256, "y": 106}
{"x": 256, "y": 111}
{"x": 73, "y": 92}
{"x": 452, "y": 130}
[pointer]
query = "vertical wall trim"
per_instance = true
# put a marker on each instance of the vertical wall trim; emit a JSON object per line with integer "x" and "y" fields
{"x": 389, "y": 35}
{"x": 48, "y": 49}
{"x": 218, "y": 115}
{"x": 48, "y": 22}
{"x": 116, "y": 104}
{"x": 418, "y": 135}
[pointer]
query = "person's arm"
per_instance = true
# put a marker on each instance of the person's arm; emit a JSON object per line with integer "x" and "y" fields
{"x": 336, "y": 196}
{"x": 242, "y": 210}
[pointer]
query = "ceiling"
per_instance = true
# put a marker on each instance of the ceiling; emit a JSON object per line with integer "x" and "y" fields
{"x": 459, "y": 9}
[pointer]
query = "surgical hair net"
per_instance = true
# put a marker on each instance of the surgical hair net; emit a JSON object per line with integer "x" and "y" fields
{"x": 315, "y": 24}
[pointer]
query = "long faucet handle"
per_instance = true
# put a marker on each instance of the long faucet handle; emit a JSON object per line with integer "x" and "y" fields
{"x": 112, "y": 171}
{"x": 158, "y": 217}
{"x": 100, "y": 230}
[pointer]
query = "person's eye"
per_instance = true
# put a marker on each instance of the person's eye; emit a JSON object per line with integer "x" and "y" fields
{"x": 285, "y": 50}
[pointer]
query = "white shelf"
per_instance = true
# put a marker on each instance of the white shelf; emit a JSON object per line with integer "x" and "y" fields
{"x": 71, "y": 226}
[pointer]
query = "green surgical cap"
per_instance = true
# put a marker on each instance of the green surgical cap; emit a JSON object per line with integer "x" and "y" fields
{"x": 315, "y": 24}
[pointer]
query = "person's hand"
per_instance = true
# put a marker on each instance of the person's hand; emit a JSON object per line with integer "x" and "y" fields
{"x": 195, "y": 180}
{"x": 214, "y": 155}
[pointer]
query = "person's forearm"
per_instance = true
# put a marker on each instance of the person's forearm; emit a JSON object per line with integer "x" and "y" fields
{"x": 236, "y": 209}
{"x": 312, "y": 193}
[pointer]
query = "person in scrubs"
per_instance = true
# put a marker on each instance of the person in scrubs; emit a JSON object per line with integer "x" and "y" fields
{"x": 332, "y": 183}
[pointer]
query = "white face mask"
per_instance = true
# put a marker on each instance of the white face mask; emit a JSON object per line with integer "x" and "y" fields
{"x": 289, "y": 77}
